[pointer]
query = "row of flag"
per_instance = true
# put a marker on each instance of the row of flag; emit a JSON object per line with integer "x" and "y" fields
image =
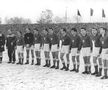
{"x": 91, "y": 13}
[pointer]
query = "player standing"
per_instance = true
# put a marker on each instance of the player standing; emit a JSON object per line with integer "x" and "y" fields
{"x": 46, "y": 47}
{"x": 66, "y": 41}
{"x": 2, "y": 43}
{"x": 75, "y": 49}
{"x": 29, "y": 42}
{"x": 20, "y": 47}
{"x": 86, "y": 50}
{"x": 54, "y": 42}
{"x": 104, "y": 54}
{"x": 96, "y": 49}
{"x": 37, "y": 37}
{"x": 11, "y": 46}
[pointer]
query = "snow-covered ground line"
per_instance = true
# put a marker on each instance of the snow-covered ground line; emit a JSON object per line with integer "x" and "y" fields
{"x": 28, "y": 77}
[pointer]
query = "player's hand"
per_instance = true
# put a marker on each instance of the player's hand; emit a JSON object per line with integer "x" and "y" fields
{"x": 15, "y": 47}
{"x": 2, "y": 46}
{"x": 69, "y": 51}
{"x": 98, "y": 55}
{"x": 78, "y": 51}
{"x": 11, "y": 44}
{"x": 27, "y": 45}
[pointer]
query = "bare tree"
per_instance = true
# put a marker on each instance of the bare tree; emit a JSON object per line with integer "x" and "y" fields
{"x": 46, "y": 17}
{"x": 17, "y": 20}
{"x": 58, "y": 20}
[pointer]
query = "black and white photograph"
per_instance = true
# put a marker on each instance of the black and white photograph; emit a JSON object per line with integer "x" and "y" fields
{"x": 53, "y": 44}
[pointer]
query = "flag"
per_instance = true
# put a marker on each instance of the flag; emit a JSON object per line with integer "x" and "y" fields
{"x": 103, "y": 13}
{"x": 91, "y": 12}
{"x": 78, "y": 13}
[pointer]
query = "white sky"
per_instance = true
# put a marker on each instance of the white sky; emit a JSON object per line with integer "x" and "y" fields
{"x": 32, "y": 8}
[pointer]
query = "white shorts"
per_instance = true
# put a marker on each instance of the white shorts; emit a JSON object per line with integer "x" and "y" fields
{"x": 86, "y": 51}
{"x": 37, "y": 47}
{"x": 74, "y": 51}
{"x": 65, "y": 49}
{"x": 104, "y": 54}
{"x": 46, "y": 47}
{"x": 54, "y": 48}
{"x": 28, "y": 47}
{"x": 20, "y": 49}
{"x": 95, "y": 52}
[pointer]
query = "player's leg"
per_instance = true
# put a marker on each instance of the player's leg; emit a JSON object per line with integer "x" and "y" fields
{"x": 22, "y": 58}
{"x": 85, "y": 65}
{"x": 100, "y": 67}
{"x": 89, "y": 64}
{"x": 62, "y": 60}
{"x": 10, "y": 55}
{"x": 1, "y": 55}
{"x": 78, "y": 63}
{"x": 46, "y": 59}
{"x": 105, "y": 64}
{"x": 68, "y": 61}
{"x": 74, "y": 64}
{"x": 27, "y": 55}
{"x": 32, "y": 54}
{"x": 57, "y": 60}
{"x": 54, "y": 59}
{"x": 19, "y": 58}
{"x": 95, "y": 66}
{"x": 13, "y": 56}
{"x": 37, "y": 57}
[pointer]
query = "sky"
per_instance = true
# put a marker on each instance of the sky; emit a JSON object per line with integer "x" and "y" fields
{"x": 33, "y": 8}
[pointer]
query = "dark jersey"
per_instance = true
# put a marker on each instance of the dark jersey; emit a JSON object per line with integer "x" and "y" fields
{"x": 20, "y": 41}
{"x": 66, "y": 40}
{"x": 45, "y": 40}
{"x": 2, "y": 42}
{"x": 54, "y": 39}
{"x": 11, "y": 41}
{"x": 38, "y": 39}
{"x": 76, "y": 42}
{"x": 104, "y": 41}
{"x": 86, "y": 41}
{"x": 29, "y": 38}
{"x": 96, "y": 40}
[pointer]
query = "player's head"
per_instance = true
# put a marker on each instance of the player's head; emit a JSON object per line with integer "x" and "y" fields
{"x": 27, "y": 30}
{"x": 35, "y": 31}
{"x": 73, "y": 31}
{"x": 50, "y": 30}
{"x": 94, "y": 31}
{"x": 45, "y": 31}
{"x": 63, "y": 31}
{"x": 9, "y": 31}
{"x": 102, "y": 30}
{"x": 83, "y": 31}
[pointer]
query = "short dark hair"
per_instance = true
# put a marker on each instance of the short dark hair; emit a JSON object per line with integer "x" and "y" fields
{"x": 51, "y": 28}
{"x": 104, "y": 28}
{"x": 46, "y": 29}
{"x": 83, "y": 28}
{"x": 36, "y": 29}
{"x": 94, "y": 28}
{"x": 28, "y": 28}
{"x": 74, "y": 29}
{"x": 64, "y": 29}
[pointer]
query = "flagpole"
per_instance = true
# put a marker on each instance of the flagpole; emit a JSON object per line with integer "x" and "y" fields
{"x": 103, "y": 16}
{"x": 77, "y": 16}
{"x": 66, "y": 15}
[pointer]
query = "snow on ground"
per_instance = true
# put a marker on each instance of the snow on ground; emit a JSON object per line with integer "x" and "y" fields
{"x": 28, "y": 77}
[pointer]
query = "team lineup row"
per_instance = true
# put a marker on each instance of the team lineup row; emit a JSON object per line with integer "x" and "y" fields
{"x": 49, "y": 42}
